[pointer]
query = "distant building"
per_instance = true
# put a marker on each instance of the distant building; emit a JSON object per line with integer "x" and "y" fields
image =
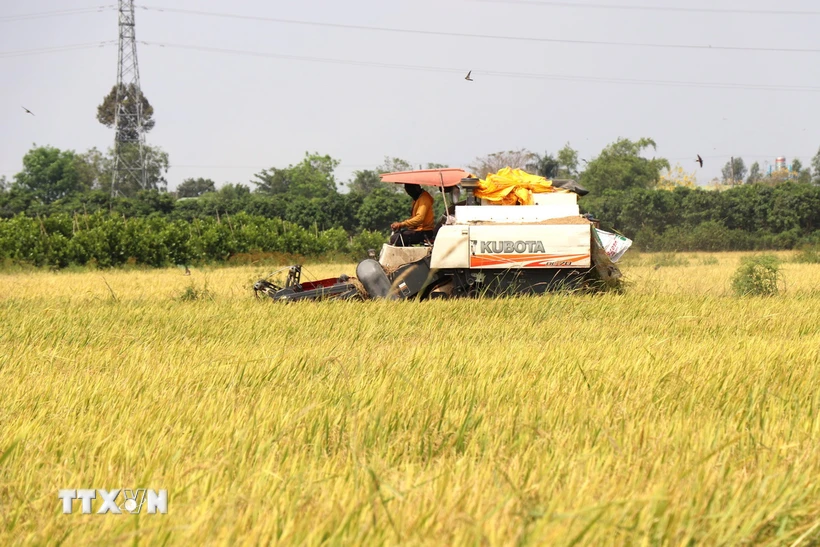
{"x": 780, "y": 165}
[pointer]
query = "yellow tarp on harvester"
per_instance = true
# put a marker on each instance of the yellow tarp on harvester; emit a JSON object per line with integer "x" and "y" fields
{"x": 513, "y": 187}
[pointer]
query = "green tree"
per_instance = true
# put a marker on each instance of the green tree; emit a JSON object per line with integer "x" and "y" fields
{"x": 192, "y": 188}
{"x": 365, "y": 182}
{"x": 620, "y": 166}
{"x": 156, "y": 167}
{"x": 734, "y": 171}
{"x": 394, "y": 165}
{"x": 381, "y": 207}
{"x": 802, "y": 175}
{"x": 815, "y": 167}
{"x": 102, "y": 169}
{"x": 546, "y": 166}
{"x": 754, "y": 174}
{"x": 3, "y": 184}
{"x": 311, "y": 178}
{"x": 492, "y": 163}
{"x": 234, "y": 191}
{"x": 568, "y": 161}
{"x": 50, "y": 174}
{"x": 92, "y": 168}
{"x": 107, "y": 110}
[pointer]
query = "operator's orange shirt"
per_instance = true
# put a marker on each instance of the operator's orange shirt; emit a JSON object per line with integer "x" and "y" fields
{"x": 421, "y": 219}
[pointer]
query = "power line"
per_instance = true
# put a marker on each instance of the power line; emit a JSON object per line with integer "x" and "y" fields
{"x": 343, "y": 164}
{"x": 56, "y": 49}
{"x": 477, "y": 72}
{"x": 481, "y": 36}
{"x": 625, "y": 7}
{"x": 375, "y": 164}
{"x": 55, "y": 13}
{"x": 752, "y": 156}
{"x": 195, "y": 166}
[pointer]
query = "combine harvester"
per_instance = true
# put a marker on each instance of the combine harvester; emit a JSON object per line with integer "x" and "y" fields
{"x": 514, "y": 234}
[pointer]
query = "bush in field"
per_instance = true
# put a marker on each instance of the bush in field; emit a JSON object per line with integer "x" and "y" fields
{"x": 757, "y": 276}
{"x": 808, "y": 255}
{"x": 365, "y": 241}
{"x": 192, "y": 293}
{"x": 110, "y": 239}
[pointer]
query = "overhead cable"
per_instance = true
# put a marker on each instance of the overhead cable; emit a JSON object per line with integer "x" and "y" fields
{"x": 56, "y": 49}
{"x": 450, "y": 34}
{"x": 56, "y": 13}
{"x": 631, "y": 7}
{"x": 492, "y": 73}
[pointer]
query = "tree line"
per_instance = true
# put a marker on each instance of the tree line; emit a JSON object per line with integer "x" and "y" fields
{"x": 306, "y": 194}
{"x": 105, "y": 239}
{"x": 60, "y": 208}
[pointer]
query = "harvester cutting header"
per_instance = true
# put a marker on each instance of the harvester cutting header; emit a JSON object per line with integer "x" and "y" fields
{"x": 514, "y": 233}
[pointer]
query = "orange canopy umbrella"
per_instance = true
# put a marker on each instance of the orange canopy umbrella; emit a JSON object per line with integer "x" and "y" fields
{"x": 427, "y": 177}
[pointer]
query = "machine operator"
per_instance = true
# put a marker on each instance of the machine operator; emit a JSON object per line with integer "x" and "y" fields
{"x": 420, "y": 225}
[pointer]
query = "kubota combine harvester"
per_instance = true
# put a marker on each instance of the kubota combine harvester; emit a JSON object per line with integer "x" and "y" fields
{"x": 513, "y": 234}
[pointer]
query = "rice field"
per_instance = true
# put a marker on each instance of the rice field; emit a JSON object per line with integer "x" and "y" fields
{"x": 672, "y": 414}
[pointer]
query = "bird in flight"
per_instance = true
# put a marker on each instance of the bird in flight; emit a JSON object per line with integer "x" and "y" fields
{"x": 467, "y": 77}
{"x": 699, "y": 160}
{"x": 27, "y": 110}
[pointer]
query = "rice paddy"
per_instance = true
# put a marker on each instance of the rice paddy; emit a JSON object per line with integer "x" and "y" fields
{"x": 672, "y": 414}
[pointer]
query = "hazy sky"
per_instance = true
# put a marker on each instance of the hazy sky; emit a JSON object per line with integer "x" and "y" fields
{"x": 228, "y": 115}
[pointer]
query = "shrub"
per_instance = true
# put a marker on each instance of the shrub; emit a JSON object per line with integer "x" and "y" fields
{"x": 757, "y": 276}
{"x": 108, "y": 240}
{"x": 364, "y": 241}
{"x": 192, "y": 293}
{"x": 809, "y": 254}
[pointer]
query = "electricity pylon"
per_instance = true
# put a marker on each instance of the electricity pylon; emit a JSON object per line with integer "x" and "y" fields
{"x": 129, "y": 139}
